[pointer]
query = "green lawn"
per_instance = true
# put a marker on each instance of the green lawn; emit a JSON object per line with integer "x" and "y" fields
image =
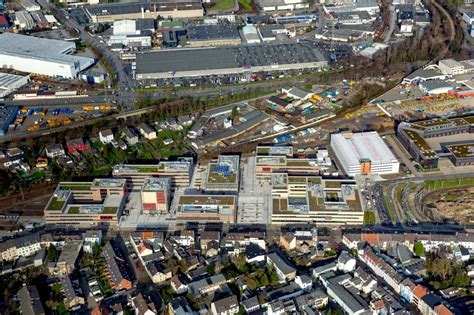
{"x": 109, "y": 210}
{"x": 55, "y": 204}
{"x": 246, "y": 5}
{"x": 223, "y": 5}
{"x": 440, "y": 184}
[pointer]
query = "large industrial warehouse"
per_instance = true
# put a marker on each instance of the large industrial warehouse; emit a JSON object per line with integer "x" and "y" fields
{"x": 42, "y": 56}
{"x": 364, "y": 153}
{"x": 228, "y": 60}
{"x": 175, "y": 9}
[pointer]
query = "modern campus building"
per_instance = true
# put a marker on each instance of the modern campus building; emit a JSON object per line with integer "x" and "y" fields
{"x": 99, "y": 202}
{"x": 206, "y": 208}
{"x": 179, "y": 171}
{"x": 313, "y": 199}
{"x": 175, "y": 9}
{"x": 223, "y": 174}
{"x": 155, "y": 194}
{"x": 228, "y": 60}
{"x": 41, "y": 56}
{"x": 363, "y": 153}
{"x": 413, "y": 137}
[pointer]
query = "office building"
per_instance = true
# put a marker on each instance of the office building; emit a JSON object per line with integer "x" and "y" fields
{"x": 414, "y": 137}
{"x": 313, "y": 199}
{"x": 155, "y": 195}
{"x": 42, "y": 56}
{"x": 95, "y": 203}
{"x": 363, "y": 153}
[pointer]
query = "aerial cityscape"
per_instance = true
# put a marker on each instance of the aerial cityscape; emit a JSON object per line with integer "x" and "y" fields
{"x": 223, "y": 157}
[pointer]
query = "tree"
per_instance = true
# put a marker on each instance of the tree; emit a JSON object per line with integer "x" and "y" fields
{"x": 53, "y": 253}
{"x": 419, "y": 249}
{"x": 263, "y": 281}
{"x": 442, "y": 267}
{"x": 460, "y": 278}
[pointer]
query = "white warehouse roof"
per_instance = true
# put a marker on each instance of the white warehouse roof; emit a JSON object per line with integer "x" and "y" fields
{"x": 42, "y": 49}
{"x": 352, "y": 148}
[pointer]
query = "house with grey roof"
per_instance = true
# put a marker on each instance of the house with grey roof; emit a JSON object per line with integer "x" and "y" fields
{"x": 30, "y": 303}
{"x": 284, "y": 270}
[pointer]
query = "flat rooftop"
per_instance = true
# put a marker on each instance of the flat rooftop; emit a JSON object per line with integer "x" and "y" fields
{"x": 136, "y": 7}
{"x": 41, "y": 49}
{"x": 204, "y": 32}
{"x": 462, "y": 150}
{"x": 227, "y": 57}
{"x": 156, "y": 184}
{"x": 363, "y": 145}
{"x": 206, "y": 200}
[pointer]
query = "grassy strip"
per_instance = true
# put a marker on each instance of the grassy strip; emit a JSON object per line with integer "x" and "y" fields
{"x": 369, "y": 217}
{"x": 390, "y": 209}
{"x": 441, "y": 184}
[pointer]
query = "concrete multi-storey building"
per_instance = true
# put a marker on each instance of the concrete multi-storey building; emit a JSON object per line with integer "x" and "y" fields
{"x": 95, "y": 203}
{"x": 179, "y": 171}
{"x": 413, "y": 137}
{"x": 312, "y": 199}
{"x": 363, "y": 153}
{"x": 155, "y": 195}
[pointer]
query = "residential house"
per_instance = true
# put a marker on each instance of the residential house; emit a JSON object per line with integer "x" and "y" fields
{"x": 30, "y": 302}
{"x": 130, "y": 136}
{"x": 91, "y": 237}
{"x": 141, "y": 307}
{"x": 284, "y": 270}
{"x": 304, "y": 282}
{"x": 23, "y": 246}
{"x": 254, "y": 254}
{"x": 180, "y": 306}
{"x": 106, "y": 136}
{"x": 226, "y": 306}
{"x": 76, "y": 145}
{"x": 67, "y": 261}
{"x": 313, "y": 300}
{"x": 73, "y": 295}
{"x": 428, "y": 303}
{"x": 419, "y": 292}
{"x": 251, "y": 305}
{"x": 120, "y": 276}
{"x": 54, "y": 150}
{"x": 158, "y": 272}
{"x": 179, "y": 283}
{"x": 206, "y": 285}
{"x": 146, "y": 131}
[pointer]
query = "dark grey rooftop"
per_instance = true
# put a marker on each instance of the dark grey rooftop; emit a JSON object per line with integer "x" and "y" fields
{"x": 227, "y": 57}
{"x": 212, "y": 31}
{"x": 136, "y": 7}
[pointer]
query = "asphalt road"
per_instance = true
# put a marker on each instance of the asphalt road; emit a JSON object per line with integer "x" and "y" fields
{"x": 378, "y": 196}
{"x": 126, "y": 94}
